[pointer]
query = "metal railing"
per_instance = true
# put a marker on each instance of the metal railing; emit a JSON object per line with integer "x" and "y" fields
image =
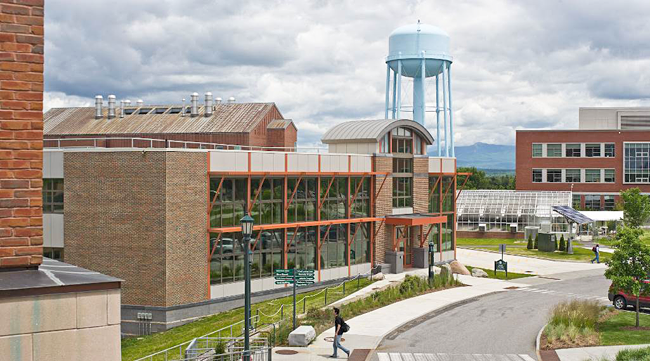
{"x": 227, "y": 349}
{"x": 144, "y": 143}
{"x": 236, "y": 329}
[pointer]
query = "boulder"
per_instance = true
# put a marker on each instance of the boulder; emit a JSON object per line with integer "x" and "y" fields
{"x": 445, "y": 271}
{"x": 459, "y": 268}
{"x": 378, "y": 277}
{"x": 477, "y": 272}
{"x": 302, "y": 336}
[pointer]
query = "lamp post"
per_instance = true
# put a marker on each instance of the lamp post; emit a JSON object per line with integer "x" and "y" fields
{"x": 247, "y": 230}
{"x": 431, "y": 262}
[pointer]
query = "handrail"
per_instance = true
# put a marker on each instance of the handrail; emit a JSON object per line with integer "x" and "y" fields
{"x": 95, "y": 143}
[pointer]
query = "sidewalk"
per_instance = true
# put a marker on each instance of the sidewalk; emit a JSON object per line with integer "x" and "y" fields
{"x": 597, "y": 353}
{"x": 519, "y": 264}
{"x": 367, "y": 330}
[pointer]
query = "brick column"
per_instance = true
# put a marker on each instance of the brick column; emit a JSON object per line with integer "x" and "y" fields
{"x": 383, "y": 206}
{"x": 21, "y": 133}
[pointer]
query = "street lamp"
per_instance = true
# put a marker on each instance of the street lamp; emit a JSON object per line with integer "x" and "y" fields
{"x": 247, "y": 231}
{"x": 431, "y": 262}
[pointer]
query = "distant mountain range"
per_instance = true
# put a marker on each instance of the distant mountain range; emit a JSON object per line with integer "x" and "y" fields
{"x": 493, "y": 157}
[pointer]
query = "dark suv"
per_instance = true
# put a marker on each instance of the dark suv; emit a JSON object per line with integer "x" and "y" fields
{"x": 621, "y": 299}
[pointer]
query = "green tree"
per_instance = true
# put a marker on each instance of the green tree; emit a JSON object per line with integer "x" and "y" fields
{"x": 530, "y": 242}
{"x": 562, "y": 244}
{"x": 629, "y": 265}
{"x": 636, "y": 207}
{"x": 480, "y": 180}
{"x": 536, "y": 239}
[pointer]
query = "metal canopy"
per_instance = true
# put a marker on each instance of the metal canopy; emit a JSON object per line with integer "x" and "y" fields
{"x": 572, "y": 214}
{"x": 416, "y": 219}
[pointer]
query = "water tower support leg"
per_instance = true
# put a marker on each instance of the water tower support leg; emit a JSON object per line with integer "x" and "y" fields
{"x": 387, "y": 89}
{"x": 399, "y": 90}
{"x": 451, "y": 112}
{"x": 444, "y": 107}
{"x": 423, "y": 84}
{"x": 438, "y": 119}
{"x": 394, "y": 93}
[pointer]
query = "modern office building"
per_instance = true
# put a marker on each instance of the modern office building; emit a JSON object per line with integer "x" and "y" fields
{"x": 608, "y": 153}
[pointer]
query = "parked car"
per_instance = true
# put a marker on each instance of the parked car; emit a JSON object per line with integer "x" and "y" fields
{"x": 622, "y": 300}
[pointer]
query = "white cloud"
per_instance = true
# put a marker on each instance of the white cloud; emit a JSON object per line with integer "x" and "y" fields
{"x": 516, "y": 64}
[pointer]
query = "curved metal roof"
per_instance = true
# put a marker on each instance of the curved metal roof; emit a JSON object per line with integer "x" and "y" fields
{"x": 371, "y": 130}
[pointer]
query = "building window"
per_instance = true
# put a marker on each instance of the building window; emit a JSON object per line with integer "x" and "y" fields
{"x": 592, "y": 175}
{"x": 303, "y": 207}
{"x": 402, "y": 192}
{"x": 53, "y": 195}
{"x": 448, "y": 187}
{"x": 554, "y": 175}
{"x": 537, "y": 176}
{"x": 53, "y": 253}
{"x": 402, "y": 165}
{"x": 610, "y": 175}
{"x": 636, "y": 163}
{"x": 360, "y": 250}
{"x": 537, "y": 150}
{"x": 336, "y": 200}
{"x": 572, "y": 176}
{"x": 592, "y": 150}
{"x": 592, "y": 202}
{"x": 268, "y": 206}
{"x": 418, "y": 144}
{"x": 434, "y": 199}
{"x": 609, "y": 203}
{"x": 448, "y": 234}
{"x": 610, "y": 150}
{"x": 554, "y": 150}
{"x": 384, "y": 144}
{"x": 229, "y": 205}
{"x": 402, "y": 141}
{"x": 361, "y": 205}
{"x": 572, "y": 150}
{"x": 576, "y": 201}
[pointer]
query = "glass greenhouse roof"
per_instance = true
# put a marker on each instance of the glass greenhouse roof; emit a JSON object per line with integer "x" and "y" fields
{"x": 510, "y": 203}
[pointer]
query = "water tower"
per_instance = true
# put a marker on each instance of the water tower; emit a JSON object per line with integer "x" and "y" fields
{"x": 421, "y": 51}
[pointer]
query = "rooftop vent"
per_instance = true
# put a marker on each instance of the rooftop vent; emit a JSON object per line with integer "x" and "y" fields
{"x": 208, "y": 104}
{"x": 217, "y": 100}
{"x": 122, "y": 105}
{"x": 140, "y": 102}
{"x": 183, "y": 107}
{"x": 99, "y": 103}
{"x": 111, "y": 106}
{"x": 231, "y": 100}
{"x": 194, "y": 102}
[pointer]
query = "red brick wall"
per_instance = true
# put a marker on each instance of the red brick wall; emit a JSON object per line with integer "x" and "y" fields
{"x": 526, "y": 162}
{"x": 383, "y": 207}
{"x": 21, "y": 133}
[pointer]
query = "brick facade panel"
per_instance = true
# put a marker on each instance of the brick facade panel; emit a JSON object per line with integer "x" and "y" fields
{"x": 383, "y": 207}
{"x": 21, "y": 124}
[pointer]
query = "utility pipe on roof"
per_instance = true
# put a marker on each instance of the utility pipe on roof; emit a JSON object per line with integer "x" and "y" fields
{"x": 99, "y": 103}
{"x": 208, "y": 104}
{"x": 183, "y": 108}
{"x": 111, "y": 106}
{"x": 140, "y": 102}
{"x": 122, "y": 105}
{"x": 194, "y": 102}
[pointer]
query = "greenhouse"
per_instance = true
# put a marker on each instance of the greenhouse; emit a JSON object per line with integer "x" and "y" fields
{"x": 510, "y": 211}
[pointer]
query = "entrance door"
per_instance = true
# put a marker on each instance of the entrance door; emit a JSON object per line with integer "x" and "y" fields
{"x": 405, "y": 243}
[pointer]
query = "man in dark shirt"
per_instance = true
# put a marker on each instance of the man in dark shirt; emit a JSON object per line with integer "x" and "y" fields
{"x": 338, "y": 331}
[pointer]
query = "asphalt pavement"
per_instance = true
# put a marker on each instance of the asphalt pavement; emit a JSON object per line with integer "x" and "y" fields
{"x": 496, "y": 324}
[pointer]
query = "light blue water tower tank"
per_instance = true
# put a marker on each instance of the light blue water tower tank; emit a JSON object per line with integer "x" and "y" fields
{"x": 421, "y": 51}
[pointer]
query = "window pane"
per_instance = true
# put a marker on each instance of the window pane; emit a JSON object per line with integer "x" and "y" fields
{"x": 554, "y": 150}
{"x": 592, "y": 175}
{"x": 572, "y": 176}
{"x": 554, "y": 175}
{"x": 592, "y": 150}
{"x": 537, "y": 150}
{"x": 572, "y": 150}
{"x": 610, "y": 176}
{"x": 610, "y": 150}
{"x": 537, "y": 175}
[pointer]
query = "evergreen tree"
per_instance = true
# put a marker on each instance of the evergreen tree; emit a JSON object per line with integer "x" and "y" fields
{"x": 562, "y": 244}
{"x": 536, "y": 239}
{"x": 530, "y": 242}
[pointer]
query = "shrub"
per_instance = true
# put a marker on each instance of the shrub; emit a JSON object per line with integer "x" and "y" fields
{"x": 641, "y": 354}
{"x": 530, "y": 242}
{"x": 556, "y": 244}
{"x": 536, "y": 239}
{"x": 573, "y": 323}
{"x": 562, "y": 244}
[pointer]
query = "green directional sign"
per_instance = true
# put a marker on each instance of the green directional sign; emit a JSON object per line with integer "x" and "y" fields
{"x": 285, "y": 272}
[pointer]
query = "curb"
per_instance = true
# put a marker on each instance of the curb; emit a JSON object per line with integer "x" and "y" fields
{"x": 537, "y": 343}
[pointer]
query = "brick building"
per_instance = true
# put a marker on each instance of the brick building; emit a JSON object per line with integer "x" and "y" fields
{"x": 258, "y": 126}
{"x": 49, "y": 310}
{"x": 607, "y": 154}
{"x": 166, "y": 220}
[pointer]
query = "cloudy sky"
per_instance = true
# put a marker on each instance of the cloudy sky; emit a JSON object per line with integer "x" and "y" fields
{"x": 517, "y": 64}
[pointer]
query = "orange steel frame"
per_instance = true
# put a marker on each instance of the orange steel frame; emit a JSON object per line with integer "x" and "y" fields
{"x": 288, "y": 200}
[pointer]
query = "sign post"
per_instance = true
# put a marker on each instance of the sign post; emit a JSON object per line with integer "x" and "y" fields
{"x": 501, "y": 264}
{"x": 296, "y": 278}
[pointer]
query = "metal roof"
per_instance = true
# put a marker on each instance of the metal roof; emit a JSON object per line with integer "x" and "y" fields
{"x": 226, "y": 118}
{"x": 371, "y": 130}
{"x": 279, "y": 124}
{"x": 572, "y": 214}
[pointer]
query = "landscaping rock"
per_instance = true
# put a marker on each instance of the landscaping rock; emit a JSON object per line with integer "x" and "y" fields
{"x": 302, "y": 336}
{"x": 457, "y": 267}
{"x": 445, "y": 271}
{"x": 477, "y": 272}
{"x": 378, "y": 277}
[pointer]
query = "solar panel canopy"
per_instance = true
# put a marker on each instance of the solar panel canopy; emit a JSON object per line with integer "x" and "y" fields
{"x": 572, "y": 214}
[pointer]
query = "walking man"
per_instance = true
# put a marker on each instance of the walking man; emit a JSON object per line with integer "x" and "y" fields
{"x": 339, "y": 328}
{"x": 596, "y": 250}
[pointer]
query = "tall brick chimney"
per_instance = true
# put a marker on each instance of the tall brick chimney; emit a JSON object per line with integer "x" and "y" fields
{"x": 21, "y": 133}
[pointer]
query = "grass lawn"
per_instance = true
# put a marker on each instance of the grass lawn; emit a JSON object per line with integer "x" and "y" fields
{"x": 501, "y": 275}
{"x": 579, "y": 254}
{"x": 616, "y": 330}
{"x": 136, "y": 347}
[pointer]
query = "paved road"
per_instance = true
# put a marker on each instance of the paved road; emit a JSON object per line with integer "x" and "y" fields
{"x": 497, "y": 324}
